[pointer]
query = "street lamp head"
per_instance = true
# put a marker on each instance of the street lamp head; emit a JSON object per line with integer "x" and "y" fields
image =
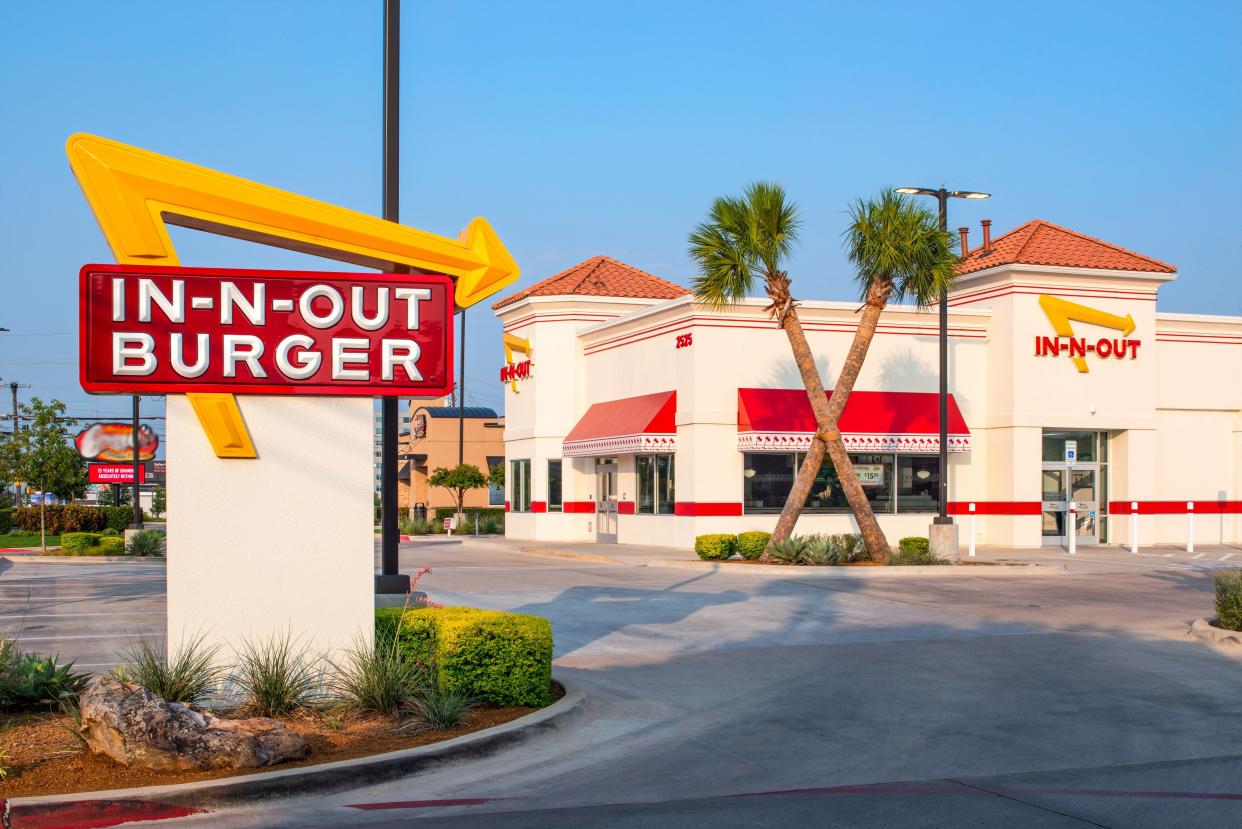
{"x": 968, "y": 194}
{"x": 915, "y": 191}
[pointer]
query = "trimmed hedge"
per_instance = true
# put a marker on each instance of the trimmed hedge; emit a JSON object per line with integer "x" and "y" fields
{"x": 1228, "y": 598}
{"x": 750, "y": 545}
{"x": 73, "y": 518}
{"x": 715, "y": 546}
{"x": 6, "y": 520}
{"x": 495, "y": 657}
{"x": 90, "y": 544}
{"x": 914, "y": 545}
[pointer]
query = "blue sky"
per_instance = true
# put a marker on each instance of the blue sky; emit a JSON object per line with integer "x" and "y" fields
{"x": 587, "y": 128}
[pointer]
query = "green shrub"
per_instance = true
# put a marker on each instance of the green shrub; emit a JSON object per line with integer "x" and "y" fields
{"x": 379, "y": 676}
{"x": 484, "y": 512}
{"x": 275, "y": 676}
{"x": 61, "y": 518}
{"x": 716, "y": 546}
{"x": 79, "y": 542}
{"x": 489, "y": 655}
{"x": 849, "y": 547}
{"x": 192, "y": 674}
{"x": 914, "y": 544}
{"x": 790, "y": 550}
{"x": 441, "y": 709}
{"x": 117, "y": 518}
{"x": 1228, "y": 598}
{"x": 29, "y": 680}
{"x": 111, "y": 532}
{"x": 418, "y": 526}
{"x": 145, "y": 543}
{"x": 913, "y": 556}
{"x": 750, "y": 545}
{"x": 6, "y": 520}
{"x": 111, "y": 546}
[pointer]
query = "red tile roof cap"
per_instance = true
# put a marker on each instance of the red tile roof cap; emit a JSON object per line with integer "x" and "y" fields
{"x": 600, "y": 276}
{"x": 1042, "y": 243}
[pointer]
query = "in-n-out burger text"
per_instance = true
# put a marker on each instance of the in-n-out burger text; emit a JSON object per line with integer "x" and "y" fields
{"x": 1080, "y": 347}
{"x": 515, "y": 371}
{"x": 265, "y": 332}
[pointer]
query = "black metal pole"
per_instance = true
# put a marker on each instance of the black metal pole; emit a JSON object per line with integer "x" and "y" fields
{"x": 137, "y": 525}
{"x": 390, "y": 580}
{"x": 461, "y": 393}
{"x": 943, "y": 517}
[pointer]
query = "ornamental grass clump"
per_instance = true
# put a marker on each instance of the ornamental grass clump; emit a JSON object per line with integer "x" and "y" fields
{"x": 1228, "y": 598}
{"x": 191, "y": 675}
{"x": 379, "y": 677}
{"x": 441, "y": 708}
{"x": 275, "y": 677}
{"x": 146, "y": 543}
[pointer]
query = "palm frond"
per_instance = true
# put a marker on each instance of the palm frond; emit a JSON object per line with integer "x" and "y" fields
{"x": 743, "y": 239}
{"x": 898, "y": 242}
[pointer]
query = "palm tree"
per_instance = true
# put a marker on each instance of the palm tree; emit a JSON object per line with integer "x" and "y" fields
{"x": 746, "y": 239}
{"x": 899, "y": 252}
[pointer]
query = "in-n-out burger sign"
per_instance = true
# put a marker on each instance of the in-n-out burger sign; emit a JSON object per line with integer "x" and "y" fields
{"x": 264, "y": 332}
{"x": 1061, "y": 313}
{"x": 513, "y": 372}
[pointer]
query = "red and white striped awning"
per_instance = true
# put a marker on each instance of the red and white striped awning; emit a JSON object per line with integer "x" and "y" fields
{"x": 646, "y": 423}
{"x": 873, "y": 421}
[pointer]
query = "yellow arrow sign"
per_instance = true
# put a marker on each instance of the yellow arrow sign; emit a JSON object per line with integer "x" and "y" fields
{"x": 136, "y": 193}
{"x": 1061, "y": 311}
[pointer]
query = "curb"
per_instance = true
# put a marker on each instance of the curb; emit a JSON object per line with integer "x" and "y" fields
{"x": 919, "y": 571}
{"x": 1205, "y": 631}
{"x": 37, "y": 559}
{"x": 322, "y": 778}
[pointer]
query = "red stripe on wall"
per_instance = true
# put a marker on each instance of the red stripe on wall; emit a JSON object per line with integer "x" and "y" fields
{"x": 1176, "y": 507}
{"x": 996, "y": 507}
{"x": 538, "y": 506}
{"x": 506, "y": 506}
{"x": 625, "y": 507}
{"x": 578, "y": 506}
{"x": 701, "y": 508}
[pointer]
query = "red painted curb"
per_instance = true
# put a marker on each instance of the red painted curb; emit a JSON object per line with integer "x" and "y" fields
{"x": 92, "y": 814}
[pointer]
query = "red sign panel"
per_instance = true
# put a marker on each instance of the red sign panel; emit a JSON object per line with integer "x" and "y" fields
{"x": 148, "y": 329}
{"x": 116, "y": 473}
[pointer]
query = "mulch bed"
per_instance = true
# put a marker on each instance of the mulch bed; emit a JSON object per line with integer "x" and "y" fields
{"x": 43, "y": 758}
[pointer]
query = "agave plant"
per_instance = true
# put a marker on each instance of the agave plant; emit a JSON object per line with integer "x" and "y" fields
{"x": 41, "y": 680}
{"x": 790, "y": 550}
{"x": 818, "y": 552}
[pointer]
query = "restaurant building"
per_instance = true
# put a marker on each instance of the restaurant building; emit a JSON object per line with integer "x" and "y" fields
{"x": 636, "y": 414}
{"x": 438, "y": 435}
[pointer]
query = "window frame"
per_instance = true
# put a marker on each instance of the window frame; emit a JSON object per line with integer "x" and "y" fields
{"x": 892, "y": 462}
{"x": 558, "y": 504}
{"x": 519, "y": 485}
{"x": 660, "y": 504}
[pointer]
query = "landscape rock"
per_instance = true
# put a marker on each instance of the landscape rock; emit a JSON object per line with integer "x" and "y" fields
{"x": 136, "y": 728}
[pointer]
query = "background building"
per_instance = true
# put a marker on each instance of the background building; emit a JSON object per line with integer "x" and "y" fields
{"x": 432, "y": 443}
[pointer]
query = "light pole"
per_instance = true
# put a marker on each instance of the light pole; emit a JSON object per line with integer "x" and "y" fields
{"x": 137, "y": 525}
{"x": 390, "y": 579}
{"x": 942, "y": 197}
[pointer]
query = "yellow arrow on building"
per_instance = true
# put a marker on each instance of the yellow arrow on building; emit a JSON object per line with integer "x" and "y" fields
{"x": 136, "y": 193}
{"x": 1061, "y": 311}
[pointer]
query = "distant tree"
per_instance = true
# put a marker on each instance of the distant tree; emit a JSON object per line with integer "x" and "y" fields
{"x": 8, "y": 469}
{"x": 459, "y": 481}
{"x": 159, "y": 501}
{"x": 496, "y": 475}
{"x": 47, "y": 459}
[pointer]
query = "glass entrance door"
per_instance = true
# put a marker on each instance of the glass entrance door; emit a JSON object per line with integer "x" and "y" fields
{"x": 1065, "y": 484}
{"x": 606, "y": 499}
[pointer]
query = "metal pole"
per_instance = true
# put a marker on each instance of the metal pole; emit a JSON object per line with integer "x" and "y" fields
{"x": 461, "y": 393}
{"x": 943, "y": 518}
{"x": 137, "y": 525}
{"x": 1134, "y": 526}
{"x": 13, "y": 388}
{"x": 390, "y": 581}
{"x": 1073, "y": 528}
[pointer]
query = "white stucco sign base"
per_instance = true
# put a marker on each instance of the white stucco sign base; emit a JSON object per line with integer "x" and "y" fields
{"x": 279, "y": 544}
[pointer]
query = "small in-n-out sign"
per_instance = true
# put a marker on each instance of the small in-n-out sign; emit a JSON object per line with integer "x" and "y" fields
{"x": 265, "y": 332}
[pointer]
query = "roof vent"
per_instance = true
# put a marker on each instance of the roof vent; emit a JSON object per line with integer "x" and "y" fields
{"x": 964, "y": 232}
{"x": 987, "y": 235}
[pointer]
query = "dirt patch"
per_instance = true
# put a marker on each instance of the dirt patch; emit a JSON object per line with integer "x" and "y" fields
{"x": 43, "y": 758}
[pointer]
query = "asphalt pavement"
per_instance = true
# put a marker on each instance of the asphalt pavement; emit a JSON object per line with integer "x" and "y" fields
{"x": 718, "y": 699}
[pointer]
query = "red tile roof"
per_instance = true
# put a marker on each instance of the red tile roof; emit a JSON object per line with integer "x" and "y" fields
{"x": 600, "y": 276}
{"x": 1042, "y": 243}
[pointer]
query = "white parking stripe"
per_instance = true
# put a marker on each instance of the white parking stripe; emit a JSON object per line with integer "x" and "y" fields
{"x": 1198, "y": 555}
{"x": 1227, "y": 556}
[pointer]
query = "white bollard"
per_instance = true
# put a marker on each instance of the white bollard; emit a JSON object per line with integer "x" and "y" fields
{"x": 971, "y": 530}
{"x": 1134, "y": 526}
{"x": 1190, "y": 526}
{"x": 1072, "y": 528}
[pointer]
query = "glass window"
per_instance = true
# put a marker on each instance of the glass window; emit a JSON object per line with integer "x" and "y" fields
{"x": 554, "y": 486}
{"x": 656, "y": 494}
{"x": 768, "y": 478}
{"x": 766, "y": 481}
{"x": 918, "y": 483}
{"x": 1054, "y": 446}
{"x": 495, "y": 493}
{"x": 519, "y": 486}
